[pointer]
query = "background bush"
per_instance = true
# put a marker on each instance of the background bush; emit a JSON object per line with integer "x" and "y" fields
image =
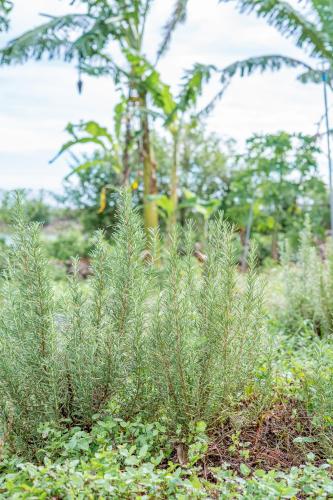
{"x": 69, "y": 244}
{"x": 309, "y": 286}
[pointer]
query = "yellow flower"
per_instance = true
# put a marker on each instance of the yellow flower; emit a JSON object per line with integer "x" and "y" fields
{"x": 134, "y": 185}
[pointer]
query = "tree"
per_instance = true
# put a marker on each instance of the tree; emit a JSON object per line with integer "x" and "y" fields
{"x": 276, "y": 180}
{"x": 204, "y": 159}
{"x": 85, "y": 37}
{"x": 201, "y": 73}
{"x": 311, "y": 26}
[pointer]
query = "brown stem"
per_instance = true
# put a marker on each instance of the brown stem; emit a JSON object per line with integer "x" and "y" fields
{"x": 149, "y": 172}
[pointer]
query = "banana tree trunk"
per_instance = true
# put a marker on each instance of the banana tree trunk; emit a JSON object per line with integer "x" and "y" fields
{"x": 174, "y": 179}
{"x": 150, "y": 211}
{"x": 128, "y": 138}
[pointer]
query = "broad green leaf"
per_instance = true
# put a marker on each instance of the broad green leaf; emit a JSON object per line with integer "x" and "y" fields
{"x": 245, "y": 470}
{"x": 83, "y": 140}
{"x": 94, "y": 129}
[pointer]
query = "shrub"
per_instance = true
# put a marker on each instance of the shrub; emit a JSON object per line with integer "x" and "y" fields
{"x": 207, "y": 335}
{"x": 31, "y": 375}
{"x": 187, "y": 345}
{"x": 308, "y": 287}
{"x": 35, "y": 206}
{"x": 68, "y": 245}
{"x": 316, "y": 391}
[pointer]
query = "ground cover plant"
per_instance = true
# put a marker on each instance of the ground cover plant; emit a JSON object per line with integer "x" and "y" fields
{"x": 120, "y": 459}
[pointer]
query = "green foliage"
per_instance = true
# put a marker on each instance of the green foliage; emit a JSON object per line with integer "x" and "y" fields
{"x": 203, "y": 173}
{"x": 131, "y": 459}
{"x": 317, "y": 393}
{"x": 49, "y": 38}
{"x": 308, "y": 287}
{"x": 310, "y": 32}
{"x": 82, "y": 191}
{"x": 303, "y": 365}
{"x": 202, "y": 161}
{"x": 69, "y": 244}
{"x": 311, "y": 28}
{"x": 187, "y": 349}
{"x": 5, "y": 8}
{"x": 201, "y": 326}
{"x": 200, "y": 74}
{"x": 91, "y": 133}
{"x": 178, "y": 16}
{"x": 278, "y": 177}
{"x": 98, "y": 171}
{"x": 36, "y": 207}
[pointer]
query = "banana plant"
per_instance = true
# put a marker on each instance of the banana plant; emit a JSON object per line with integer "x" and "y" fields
{"x": 311, "y": 29}
{"x": 91, "y": 133}
{"x": 85, "y": 39}
{"x": 5, "y": 8}
{"x": 206, "y": 208}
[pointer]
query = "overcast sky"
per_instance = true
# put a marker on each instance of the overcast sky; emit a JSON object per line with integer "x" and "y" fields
{"x": 37, "y": 100}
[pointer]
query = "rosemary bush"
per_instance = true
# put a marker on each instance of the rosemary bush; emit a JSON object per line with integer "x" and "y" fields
{"x": 207, "y": 336}
{"x": 104, "y": 327}
{"x": 176, "y": 340}
{"x": 308, "y": 286}
{"x": 30, "y": 368}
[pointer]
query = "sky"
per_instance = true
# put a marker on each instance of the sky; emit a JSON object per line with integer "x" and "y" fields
{"x": 38, "y": 99}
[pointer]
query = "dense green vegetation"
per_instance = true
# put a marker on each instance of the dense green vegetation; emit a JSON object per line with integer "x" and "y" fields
{"x": 166, "y": 322}
{"x": 162, "y": 375}
{"x": 118, "y": 459}
{"x": 266, "y": 191}
{"x": 113, "y": 338}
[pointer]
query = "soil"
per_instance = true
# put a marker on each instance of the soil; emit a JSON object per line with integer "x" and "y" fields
{"x": 270, "y": 441}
